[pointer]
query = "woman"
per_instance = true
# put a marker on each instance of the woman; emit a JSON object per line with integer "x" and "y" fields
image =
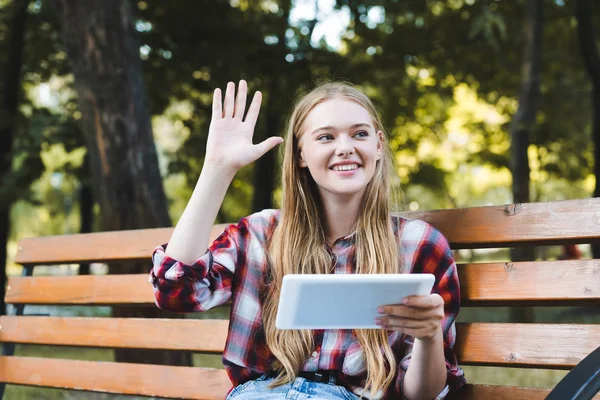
{"x": 335, "y": 218}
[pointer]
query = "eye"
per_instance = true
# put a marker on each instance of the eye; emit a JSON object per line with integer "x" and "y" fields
{"x": 361, "y": 134}
{"x": 324, "y": 137}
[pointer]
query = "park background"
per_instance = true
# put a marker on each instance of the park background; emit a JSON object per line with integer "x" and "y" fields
{"x": 486, "y": 102}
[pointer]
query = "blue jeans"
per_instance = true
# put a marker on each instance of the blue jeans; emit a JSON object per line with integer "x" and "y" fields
{"x": 300, "y": 389}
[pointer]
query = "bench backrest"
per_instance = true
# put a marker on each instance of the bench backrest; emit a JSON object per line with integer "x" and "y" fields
{"x": 542, "y": 283}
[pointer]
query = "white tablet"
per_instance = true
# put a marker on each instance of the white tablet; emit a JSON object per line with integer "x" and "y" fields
{"x": 343, "y": 301}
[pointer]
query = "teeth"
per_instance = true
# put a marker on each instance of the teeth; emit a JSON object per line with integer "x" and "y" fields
{"x": 345, "y": 167}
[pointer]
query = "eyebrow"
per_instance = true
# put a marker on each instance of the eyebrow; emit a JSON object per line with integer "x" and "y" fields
{"x": 329, "y": 128}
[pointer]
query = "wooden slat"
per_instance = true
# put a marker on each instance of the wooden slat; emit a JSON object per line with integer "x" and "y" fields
{"x": 570, "y": 221}
{"x": 532, "y": 283}
{"x": 132, "y": 245}
{"x": 183, "y": 334}
{"x": 559, "y": 222}
{"x": 80, "y": 290}
{"x": 492, "y": 392}
{"x": 519, "y": 345}
{"x": 557, "y": 346}
{"x": 573, "y": 282}
{"x": 173, "y": 382}
{"x": 108, "y": 377}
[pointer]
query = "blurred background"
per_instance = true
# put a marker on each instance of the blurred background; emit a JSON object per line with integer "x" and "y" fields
{"x": 105, "y": 106}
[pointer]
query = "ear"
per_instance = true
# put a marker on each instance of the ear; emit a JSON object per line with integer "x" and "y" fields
{"x": 301, "y": 161}
{"x": 380, "y": 144}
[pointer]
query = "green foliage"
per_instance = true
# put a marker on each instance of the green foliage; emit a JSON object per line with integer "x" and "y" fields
{"x": 445, "y": 74}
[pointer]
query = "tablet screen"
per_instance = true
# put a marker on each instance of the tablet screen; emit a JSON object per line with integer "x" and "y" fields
{"x": 344, "y": 301}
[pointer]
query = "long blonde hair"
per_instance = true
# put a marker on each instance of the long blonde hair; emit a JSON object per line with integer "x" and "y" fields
{"x": 297, "y": 245}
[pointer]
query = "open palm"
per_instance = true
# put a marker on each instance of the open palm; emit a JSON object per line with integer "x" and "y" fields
{"x": 230, "y": 134}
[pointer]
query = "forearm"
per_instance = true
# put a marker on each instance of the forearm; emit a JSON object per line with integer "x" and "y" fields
{"x": 426, "y": 374}
{"x": 190, "y": 238}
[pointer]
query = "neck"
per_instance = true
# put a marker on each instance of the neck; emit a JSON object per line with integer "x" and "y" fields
{"x": 340, "y": 214}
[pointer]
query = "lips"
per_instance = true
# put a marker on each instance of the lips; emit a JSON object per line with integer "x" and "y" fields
{"x": 345, "y": 167}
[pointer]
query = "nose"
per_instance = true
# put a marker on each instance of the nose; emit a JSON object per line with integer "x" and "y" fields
{"x": 344, "y": 146}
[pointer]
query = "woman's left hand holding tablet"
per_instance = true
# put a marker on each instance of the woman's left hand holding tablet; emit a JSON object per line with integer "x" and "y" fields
{"x": 418, "y": 316}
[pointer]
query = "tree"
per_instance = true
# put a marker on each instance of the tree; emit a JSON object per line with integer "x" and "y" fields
{"x": 104, "y": 54}
{"x": 589, "y": 53}
{"x": 8, "y": 126}
{"x": 523, "y": 121}
{"x": 255, "y": 45}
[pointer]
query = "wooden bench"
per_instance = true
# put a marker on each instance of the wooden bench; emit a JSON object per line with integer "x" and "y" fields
{"x": 544, "y": 283}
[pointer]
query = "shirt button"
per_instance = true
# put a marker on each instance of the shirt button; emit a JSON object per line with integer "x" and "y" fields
{"x": 314, "y": 353}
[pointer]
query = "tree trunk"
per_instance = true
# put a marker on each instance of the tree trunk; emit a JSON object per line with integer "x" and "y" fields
{"x": 4, "y": 233}
{"x": 591, "y": 59}
{"x": 104, "y": 53}
{"x": 8, "y": 111}
{"x": 86, "y": 207}
{"x": 522, "y": 124}
{"x": 265, "y": 167}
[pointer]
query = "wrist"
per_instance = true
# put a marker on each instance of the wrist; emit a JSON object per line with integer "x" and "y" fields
{"x": 219, "y": 171}
{"x": 437, "y": 336}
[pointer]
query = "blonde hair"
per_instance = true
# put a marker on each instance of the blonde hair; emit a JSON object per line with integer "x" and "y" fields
{"x": 297, "y": 245}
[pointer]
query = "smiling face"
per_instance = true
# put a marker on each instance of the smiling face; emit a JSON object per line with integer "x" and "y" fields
{"x": 340, "y": 147}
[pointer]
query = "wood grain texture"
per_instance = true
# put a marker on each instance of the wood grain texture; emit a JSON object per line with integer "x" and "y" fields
{"x": 495, "y": 392}
{"x": 569, "y": 221}
{"x": 572, "y": 282}
{"x": 207, "y": 336}
{"x": 131, "y": 245}
{"x": 174, "y": 382}
{"x": 80, "y": 290}
{"x": 110, "y": 377}
{"x": 514, "y": 345}
{"x": 492, "y": 392}
{"x": 556, "y": 346}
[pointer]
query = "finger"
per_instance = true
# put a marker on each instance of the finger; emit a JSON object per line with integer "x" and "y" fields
{"x": 409, "y": 312}
{"x": 254, "y": 109}
{"x": 240, "y": 100}
{"x": 229, "y": 93}
{"x": 431, "y": 301}
{"x": 217, "y": 106}
{"x": 427, "y": 302}
{"x": 268, "y": 144}
{"x": 397, "y": 322}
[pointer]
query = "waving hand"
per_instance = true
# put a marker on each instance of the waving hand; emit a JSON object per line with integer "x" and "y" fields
{"x": 230, "y": 134}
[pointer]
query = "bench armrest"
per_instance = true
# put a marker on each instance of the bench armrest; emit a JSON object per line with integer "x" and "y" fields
{"x": 582, "y": 382}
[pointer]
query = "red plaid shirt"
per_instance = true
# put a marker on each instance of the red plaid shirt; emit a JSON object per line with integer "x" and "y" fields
{"x": 233, "y": 267}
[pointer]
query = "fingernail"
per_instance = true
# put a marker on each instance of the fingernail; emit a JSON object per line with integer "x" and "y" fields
{"x": 404, "y": 301}
{"x": 378, "y": 321}
{"x": 380, "y": 310}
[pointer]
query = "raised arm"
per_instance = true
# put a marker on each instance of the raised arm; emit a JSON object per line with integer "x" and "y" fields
{"x": 229, "y": 148}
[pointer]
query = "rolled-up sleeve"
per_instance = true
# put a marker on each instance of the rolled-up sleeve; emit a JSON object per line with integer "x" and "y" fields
{"x": 206, "y": 283}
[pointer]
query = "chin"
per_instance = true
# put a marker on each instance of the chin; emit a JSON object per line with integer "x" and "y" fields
{"x": 347, "y": 190}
